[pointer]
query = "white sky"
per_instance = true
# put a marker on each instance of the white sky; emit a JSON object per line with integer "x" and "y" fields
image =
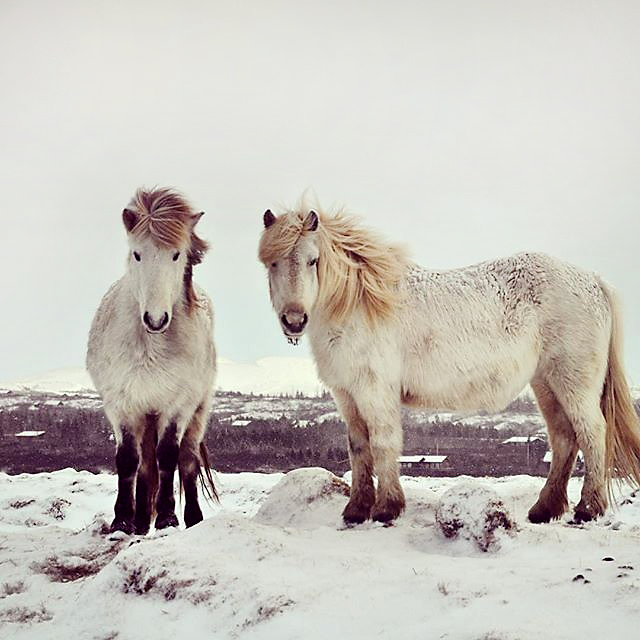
{"x": 466, "y": 129}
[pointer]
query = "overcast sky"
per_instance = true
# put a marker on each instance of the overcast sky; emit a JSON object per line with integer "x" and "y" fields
{"x": 466, "y": 129}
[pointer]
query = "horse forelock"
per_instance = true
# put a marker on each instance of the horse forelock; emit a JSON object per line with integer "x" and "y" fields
{"x": 357, "y": 269}
{"x": 279, "y": 240}
{"x": 167, "y": 218}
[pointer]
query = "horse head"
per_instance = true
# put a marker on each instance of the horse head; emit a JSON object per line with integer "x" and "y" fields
{"x": 163, "y": 248}
{"x": 291, "y": 258}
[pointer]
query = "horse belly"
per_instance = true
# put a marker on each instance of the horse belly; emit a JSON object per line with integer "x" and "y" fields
{"x": 484, "y": 381}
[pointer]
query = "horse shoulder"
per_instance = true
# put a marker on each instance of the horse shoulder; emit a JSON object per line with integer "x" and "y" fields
{"x": 102, "y": 324}
{"x": 356, "y": 352}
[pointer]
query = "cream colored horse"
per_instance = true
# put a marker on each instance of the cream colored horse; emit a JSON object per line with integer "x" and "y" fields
{"x": 152, "y": 359}
{"x": 386, "y": 332}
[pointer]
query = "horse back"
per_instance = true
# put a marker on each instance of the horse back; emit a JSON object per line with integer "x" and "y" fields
{"x": 474, "y": 337}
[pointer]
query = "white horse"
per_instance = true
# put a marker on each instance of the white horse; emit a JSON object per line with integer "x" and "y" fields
{"x": 152, "y": 359}
{"x": 386, "y": 332}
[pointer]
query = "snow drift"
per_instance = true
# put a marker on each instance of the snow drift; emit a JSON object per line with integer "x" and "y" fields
{"x": 273, "y": 562}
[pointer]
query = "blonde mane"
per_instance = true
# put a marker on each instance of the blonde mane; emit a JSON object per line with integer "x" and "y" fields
{"x": 357, "y": 269}
{"x": 167, "y": 217}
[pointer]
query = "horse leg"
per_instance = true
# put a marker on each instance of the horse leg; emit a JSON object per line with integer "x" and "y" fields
{"x": 189, "y": 465}
{"x": 147, "y": 481}
{"x": 591, "y": 429}
{"x": 167, "y": 455}
{"x": 127, "y": 458}
{"x": 584, "y": 413}
{"x": 381, "y": 414}
{"x": 363, "y": 494}
{"x": 553, "y": 501}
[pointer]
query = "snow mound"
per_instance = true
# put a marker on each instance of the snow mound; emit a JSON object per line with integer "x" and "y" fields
{"x": 475, "y": 512}
{"x": 304, "y": 498}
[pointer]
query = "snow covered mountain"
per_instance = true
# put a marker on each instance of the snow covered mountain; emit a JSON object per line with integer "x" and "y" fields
{"x": 268, "y": 376}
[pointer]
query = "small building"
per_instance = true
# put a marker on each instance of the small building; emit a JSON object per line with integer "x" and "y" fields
{"x": 525, "y": 450}
{"x": 421, "y": 463}
{"x": 519, "y": 440}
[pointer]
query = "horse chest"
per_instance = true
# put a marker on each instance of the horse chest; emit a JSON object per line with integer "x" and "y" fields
{"x": 343, "y": 356}
{"x": 147, "y": 377}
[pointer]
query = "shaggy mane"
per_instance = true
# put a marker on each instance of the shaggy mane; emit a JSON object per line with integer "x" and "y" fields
{"x": 166, "y": 216}
{"x": 357, "y": 269}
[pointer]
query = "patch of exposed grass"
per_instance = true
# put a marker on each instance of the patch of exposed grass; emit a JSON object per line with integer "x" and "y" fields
{"x": 59, "y": 569}
{"x": 9, "y": 588}
{"x": 58, "y": 508}
{"x": 20, "y": 504}
{"x": 24, "y": 615}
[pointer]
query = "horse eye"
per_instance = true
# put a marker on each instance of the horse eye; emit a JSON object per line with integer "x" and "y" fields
{"x": 176, "y": 255}
{"x": 274, "y": 265}
{"x": 136, "y": 255}
{"x": 313, "y": 262}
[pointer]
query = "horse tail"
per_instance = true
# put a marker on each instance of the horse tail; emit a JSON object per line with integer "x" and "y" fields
{"x": 622, "y": 453}
{"x": 204, "y": 473}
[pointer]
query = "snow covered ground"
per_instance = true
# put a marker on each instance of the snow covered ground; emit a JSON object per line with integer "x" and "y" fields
{"x": 274, "y": 561}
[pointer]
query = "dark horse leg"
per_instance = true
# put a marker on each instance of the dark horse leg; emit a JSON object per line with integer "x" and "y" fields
{"x": 127, "y": 458}
{"x": 167, "y": 454}
{"x": 190, "y": 462}
{"x": 147, "y": 480}
{"x": 189, "y": 468}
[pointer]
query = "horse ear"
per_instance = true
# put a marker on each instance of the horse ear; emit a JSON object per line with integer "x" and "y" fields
{"x": 130, "y": 219}
{"x": 268, "y": 218}
{"x": 196, "y": 218}
{"x": 311, "y": 221}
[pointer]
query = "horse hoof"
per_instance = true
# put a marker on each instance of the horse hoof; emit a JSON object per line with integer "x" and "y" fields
{"x": 538, "y": 515}
{"x": 169, "y": 520}
{"x": 580, "y": 516}
{"x": 192, "y": 515}
{"x": 142, "y": 529}
{"x": 126, "y": 526}
{"x": 355, "y": 513}
{"x": 387, "y": 512}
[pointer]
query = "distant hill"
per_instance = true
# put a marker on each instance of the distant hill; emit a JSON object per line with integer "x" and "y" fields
{"x": 268, "y": 376}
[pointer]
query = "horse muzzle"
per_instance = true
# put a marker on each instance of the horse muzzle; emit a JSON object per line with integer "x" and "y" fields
{"x": 294, "y": 322}
{"x": 156, "y": 325}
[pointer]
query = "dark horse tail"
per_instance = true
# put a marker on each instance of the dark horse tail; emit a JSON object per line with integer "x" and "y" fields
{"x": 204, "y": 473}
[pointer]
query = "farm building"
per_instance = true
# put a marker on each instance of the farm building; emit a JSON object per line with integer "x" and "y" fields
{"x": 421, "y": 463}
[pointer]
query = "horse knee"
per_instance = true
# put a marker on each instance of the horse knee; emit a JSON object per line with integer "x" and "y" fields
{"x": 188, "y": 459}
{"x": 127, "y": 456}
{"x": 167, "y": 450}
